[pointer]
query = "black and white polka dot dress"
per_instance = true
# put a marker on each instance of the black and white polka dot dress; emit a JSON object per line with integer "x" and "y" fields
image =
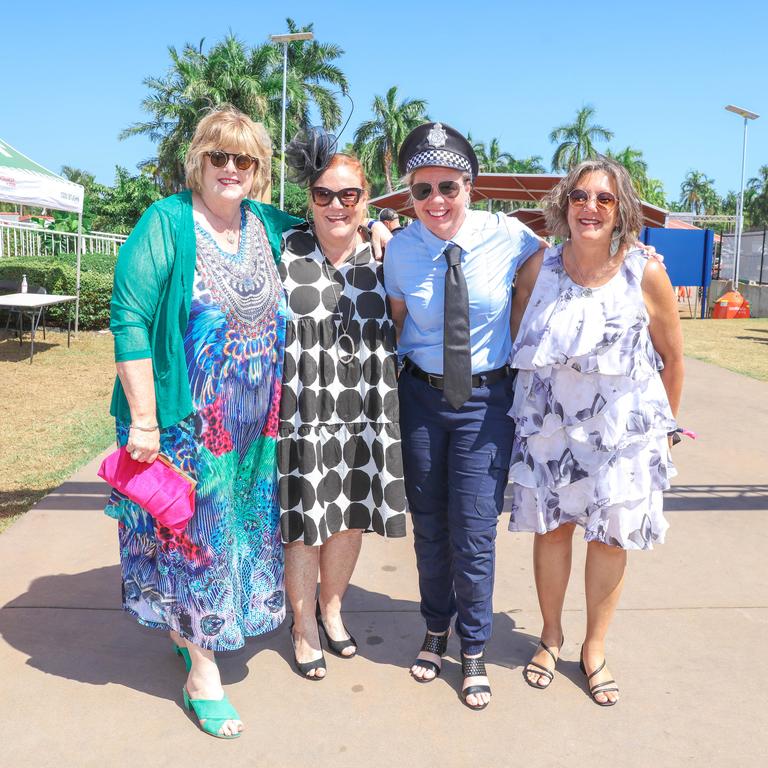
{"x": 338, "y": 453}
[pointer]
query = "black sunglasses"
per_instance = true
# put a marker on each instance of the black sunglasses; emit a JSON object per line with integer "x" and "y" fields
{"x": 422, "y": 190}
{"x": 348, "y": 197}
{"x": 242, "y": 162}
{"x": 579, "y": 197}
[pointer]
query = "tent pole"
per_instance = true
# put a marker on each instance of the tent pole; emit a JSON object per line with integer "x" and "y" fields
{"x": 77, "y": 282}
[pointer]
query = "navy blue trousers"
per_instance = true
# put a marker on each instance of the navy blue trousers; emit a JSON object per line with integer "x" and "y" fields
{"x": 456, "y": 465}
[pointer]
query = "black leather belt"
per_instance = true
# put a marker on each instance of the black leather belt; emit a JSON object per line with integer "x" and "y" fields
{"x": 486, "y": 379}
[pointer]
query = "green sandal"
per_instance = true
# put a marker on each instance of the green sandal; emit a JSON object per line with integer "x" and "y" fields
{"x": 184, "y": 653}
{"x": 214, "y": 712}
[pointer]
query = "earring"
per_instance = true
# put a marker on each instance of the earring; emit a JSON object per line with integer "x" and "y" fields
{"x": 615, "y": 242}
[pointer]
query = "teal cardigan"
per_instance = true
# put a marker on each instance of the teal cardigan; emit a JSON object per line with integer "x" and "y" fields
{"x": 152, "y": 296}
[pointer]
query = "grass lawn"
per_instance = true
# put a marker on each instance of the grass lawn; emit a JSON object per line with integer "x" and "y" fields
{"x": 738, "y": 345}
{"x": 54, "y": 414}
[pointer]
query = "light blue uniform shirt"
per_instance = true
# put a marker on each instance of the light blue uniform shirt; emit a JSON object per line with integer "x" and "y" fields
{"x": 493, "y": 247}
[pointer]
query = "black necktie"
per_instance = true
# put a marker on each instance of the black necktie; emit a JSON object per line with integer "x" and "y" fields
{"x": 457, "y": 357}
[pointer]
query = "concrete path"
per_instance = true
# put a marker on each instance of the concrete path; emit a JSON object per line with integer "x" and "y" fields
{"x": 81, "y": 684}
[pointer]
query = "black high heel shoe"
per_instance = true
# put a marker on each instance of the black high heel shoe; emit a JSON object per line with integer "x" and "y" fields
{"x": 304, "y": 668}
{"x": 336, "y": 646}
{"x": 437, "y": 644}
{"x": 533, "y": 668}
{"x": 598, "y": 687}
{"x": 473, "y": 668}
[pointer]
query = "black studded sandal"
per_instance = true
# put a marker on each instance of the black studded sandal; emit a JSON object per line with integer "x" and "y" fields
{"x": 336, "y": 646}
{"x": 437, "y": 644}
{"x": 533, "y": 668}
{"x": 473, "y": 668}
{"x": 304, "y": 668}
{"x": 604, "y": 687}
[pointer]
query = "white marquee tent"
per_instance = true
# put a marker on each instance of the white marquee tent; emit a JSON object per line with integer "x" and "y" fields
{"x": 25, "y": 182}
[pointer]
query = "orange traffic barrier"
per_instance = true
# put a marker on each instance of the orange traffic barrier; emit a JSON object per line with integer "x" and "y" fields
{"x": 730, "y": 305}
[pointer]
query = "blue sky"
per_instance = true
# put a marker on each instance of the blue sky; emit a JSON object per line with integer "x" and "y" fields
{"x": 658, "y": 73}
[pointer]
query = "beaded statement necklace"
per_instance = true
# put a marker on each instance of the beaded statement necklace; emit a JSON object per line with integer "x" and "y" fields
{"x": 245, "y": 284}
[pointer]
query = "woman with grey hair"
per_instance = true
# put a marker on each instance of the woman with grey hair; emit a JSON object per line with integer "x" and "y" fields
{"x": 599, "y": 353}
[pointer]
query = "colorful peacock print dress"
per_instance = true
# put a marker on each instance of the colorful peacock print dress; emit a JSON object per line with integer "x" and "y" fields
{"x": 591, "y": 412}
{"x": 221, "y": 581}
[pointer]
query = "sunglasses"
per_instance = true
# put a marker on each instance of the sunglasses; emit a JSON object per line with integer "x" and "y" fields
{"x": 242, "y": 162}
{"x": 604, "y": 200}
{"x": 421, "y": 190}
{"x": 348, "y": 197}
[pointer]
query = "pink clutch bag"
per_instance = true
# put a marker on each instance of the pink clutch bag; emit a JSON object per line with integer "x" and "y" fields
{"x": 161, "y": 488}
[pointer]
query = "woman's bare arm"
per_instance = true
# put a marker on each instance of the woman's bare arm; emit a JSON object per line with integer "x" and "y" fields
{"x": 665, "y": 330}
{"x": 139, "y": 387}
{"x": 524, "y": 282}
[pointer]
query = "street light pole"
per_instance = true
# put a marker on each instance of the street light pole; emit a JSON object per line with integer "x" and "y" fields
{"x": 747, "y": 115}
{"x": 285, "y": 39}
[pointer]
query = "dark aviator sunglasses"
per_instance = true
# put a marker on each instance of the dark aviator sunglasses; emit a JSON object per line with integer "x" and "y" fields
{"x": 421, "y": 190}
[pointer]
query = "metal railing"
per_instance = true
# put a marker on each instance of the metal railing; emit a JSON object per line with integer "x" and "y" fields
{"x": 23, "y": 240}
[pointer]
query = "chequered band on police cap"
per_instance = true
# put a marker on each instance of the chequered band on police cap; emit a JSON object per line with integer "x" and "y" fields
{"x": 439, "y": 157}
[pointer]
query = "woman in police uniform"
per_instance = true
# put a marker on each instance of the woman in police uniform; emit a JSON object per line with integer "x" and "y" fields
{"x": 449, "y": 280}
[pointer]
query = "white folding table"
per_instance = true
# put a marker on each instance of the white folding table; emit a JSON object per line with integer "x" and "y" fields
{"x": 30, "y": 304}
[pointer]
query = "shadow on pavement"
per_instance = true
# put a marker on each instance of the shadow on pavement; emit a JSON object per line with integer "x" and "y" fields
{"x": 716, "y": 498}
{"x": 72, "y": 626}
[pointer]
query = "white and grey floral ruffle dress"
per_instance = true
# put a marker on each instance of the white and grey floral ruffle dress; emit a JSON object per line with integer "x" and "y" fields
{"x": 590, "y": 410}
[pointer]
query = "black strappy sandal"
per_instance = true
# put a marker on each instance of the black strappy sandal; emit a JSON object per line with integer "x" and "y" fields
{"x": 473, "y": 668}
{"x": 304, "y": 668}
{"x": 336, "y": 646}
{"x": 437, "y": 644}
{"x": 598, "y": 687}
{"x": 533, "y": 668}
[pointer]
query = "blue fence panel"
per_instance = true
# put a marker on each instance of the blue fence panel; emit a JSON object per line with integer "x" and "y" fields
{"x": 687, "y": 255}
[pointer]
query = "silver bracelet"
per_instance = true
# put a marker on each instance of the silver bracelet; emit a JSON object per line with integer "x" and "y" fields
{"x": 144, "y": 429}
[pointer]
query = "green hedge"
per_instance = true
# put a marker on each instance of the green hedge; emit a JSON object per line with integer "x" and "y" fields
{"x": 60, "y": 277}
{"x": 89, "y": 262}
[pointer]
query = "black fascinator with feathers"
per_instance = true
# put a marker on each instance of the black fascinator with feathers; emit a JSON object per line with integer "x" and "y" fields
{"x": 308, "y": 154}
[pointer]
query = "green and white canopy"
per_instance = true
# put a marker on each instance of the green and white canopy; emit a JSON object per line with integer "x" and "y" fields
{"x": 26, "y": 182}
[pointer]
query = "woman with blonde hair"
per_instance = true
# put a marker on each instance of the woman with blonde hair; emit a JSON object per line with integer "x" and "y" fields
{"x": 199, "y": 317}
{"x": 598, "y": 350}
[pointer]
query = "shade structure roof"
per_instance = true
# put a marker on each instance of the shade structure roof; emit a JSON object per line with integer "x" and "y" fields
{"x": 26, "y": 182}
{"x": 525, "y": 187}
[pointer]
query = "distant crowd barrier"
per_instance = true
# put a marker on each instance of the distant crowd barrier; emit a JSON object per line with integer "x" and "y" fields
{"x": 23, "y": 240}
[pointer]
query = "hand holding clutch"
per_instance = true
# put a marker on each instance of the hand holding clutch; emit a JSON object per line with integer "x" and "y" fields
{"x": 162, "y": 489}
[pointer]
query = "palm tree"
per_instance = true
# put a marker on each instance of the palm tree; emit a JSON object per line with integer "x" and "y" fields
{"x": 577, "y": 140}
{"x": 531, "y": 164}
{"x": 492, "y": 160}
{"x": 311, "y": 69}
{"x": 250, "y": 79}
{"x": 757, "y": 204}
{"x": 378, "y": 141}
{"x": 697, "y": 192}
{"x": 175, "y": 103}
{"x": 652, "y": 191}
{"x": 83, "y": 178}
{"x": 632, "y": 160}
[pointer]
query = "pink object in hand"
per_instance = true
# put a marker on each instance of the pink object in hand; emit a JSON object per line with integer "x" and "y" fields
{"x": 162, "y": 489}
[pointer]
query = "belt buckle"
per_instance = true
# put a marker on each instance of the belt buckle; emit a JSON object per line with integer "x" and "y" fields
{"x": 435, "y": 381}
